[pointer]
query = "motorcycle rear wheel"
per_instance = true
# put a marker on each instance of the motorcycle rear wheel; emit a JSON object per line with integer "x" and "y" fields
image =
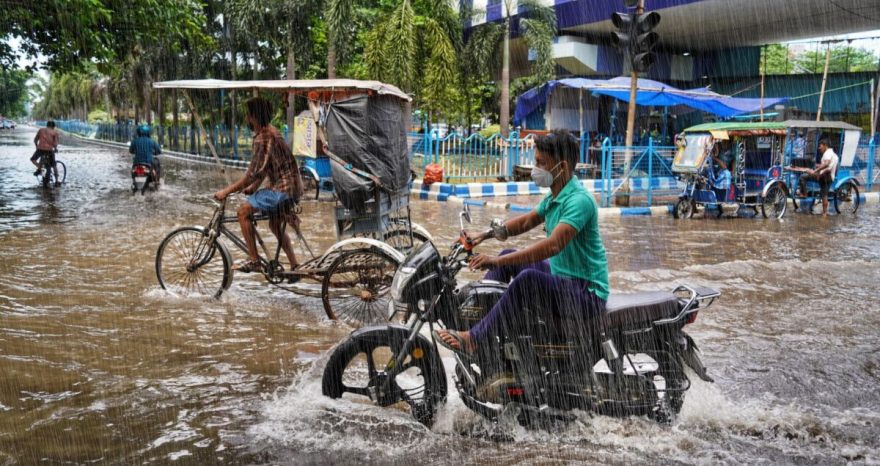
{"x": 359, "y": 367}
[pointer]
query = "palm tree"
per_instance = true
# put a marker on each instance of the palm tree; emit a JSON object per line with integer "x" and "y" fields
{"x": 538, "y": 23}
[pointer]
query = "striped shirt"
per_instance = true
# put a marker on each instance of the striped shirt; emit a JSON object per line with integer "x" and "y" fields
{"x": 272, "y": 158}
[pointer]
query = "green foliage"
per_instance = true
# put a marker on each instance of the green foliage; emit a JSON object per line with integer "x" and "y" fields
{"x": 778, "y": 59}
{"x": 13, "y": 92}
{"x": 99, "y": 116}
{"x": 490, "y": 131}
{"x": 843, "y": 59}
{"x": 71, "y": 33}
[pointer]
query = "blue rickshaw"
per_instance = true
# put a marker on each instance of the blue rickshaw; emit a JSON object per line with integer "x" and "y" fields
{"x": 801, "y": 155}
{"x": 730, "y": 166}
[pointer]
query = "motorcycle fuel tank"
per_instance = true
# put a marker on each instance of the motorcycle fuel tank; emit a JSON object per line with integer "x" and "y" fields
{"x": 474, "y": 300}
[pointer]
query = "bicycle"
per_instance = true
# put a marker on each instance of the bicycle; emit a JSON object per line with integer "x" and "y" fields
{"x": 355, "y": 283}
{"x": 46, "y": 175}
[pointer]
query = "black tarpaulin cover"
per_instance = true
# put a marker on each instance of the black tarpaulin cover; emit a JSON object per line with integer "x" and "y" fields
{"x": 369, "y": 132}
{"x": 352, "y": 190}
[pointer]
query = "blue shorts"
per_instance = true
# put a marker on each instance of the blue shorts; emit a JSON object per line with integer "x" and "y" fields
{"x": 266, "y": 200}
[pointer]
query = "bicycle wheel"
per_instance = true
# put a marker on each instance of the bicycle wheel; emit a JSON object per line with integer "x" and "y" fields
{"x": 62, "y": 172}
{"x": 187, "y": 264}
{"x": 846, "y": 199}
{"x": 684, "y": 208}
{"x": 774, "y": 203}
{"x": 356, "y": 286}
{"x": 399, "y": 239}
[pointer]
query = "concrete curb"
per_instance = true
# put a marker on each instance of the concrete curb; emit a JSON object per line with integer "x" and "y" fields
{"x": 442, "y": 191}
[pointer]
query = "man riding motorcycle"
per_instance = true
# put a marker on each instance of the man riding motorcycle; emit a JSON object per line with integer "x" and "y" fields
{"x": 145, "y": 149}
{"x": 573, "y": 284}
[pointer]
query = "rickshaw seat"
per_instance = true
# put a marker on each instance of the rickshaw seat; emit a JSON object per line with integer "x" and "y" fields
{"x": 637, "y": 308}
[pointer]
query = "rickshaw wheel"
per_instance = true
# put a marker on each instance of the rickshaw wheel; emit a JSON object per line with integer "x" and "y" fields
{"x": 684, "y": 208}
{"x": 846, "y": 199}
{"x": 774, "y": 203}
{"x": 399, "y": 239}
{"x": 356, "y": 287}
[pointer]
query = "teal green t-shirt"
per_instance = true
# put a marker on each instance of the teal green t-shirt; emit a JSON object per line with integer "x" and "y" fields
{"x": 584, "y": 256}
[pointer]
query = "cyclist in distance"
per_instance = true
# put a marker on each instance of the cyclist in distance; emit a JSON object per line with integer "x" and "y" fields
{"x": 46, "y": 141}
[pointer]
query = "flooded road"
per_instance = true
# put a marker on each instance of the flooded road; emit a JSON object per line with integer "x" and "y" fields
{"x": 99, "y": 365}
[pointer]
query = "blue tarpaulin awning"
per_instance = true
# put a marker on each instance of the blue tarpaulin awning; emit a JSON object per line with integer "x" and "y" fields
{"x": 648, "y": 93}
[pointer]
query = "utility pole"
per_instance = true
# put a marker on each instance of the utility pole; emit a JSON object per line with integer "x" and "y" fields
{"x": 636, "y": 39}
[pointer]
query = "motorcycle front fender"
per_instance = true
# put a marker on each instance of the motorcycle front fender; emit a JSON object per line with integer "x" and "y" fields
{"x": 691, "y": 357}
{"x": 395, "y": 335}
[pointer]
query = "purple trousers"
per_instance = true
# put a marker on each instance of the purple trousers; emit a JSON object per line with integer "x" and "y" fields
{"x": 534, "y": 292}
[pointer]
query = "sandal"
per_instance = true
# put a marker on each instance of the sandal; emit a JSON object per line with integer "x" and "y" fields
{"x": 249, "y": 266}
{"x": 461, "y": 351}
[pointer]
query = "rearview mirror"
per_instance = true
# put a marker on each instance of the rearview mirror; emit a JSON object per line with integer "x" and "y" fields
{"x": 464, "y": 215}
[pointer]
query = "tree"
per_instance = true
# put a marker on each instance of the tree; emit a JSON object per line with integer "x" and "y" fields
{"x": 538, "y": 24}
{"x": 418, "y": 35}
{"x": 71, "y": 33}
{"x": 13, "y": 92}
{"x": 843, "y": 59}
{"x": 776, "y": 59}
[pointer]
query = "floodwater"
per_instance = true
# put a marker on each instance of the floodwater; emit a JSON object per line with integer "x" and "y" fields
{"x": 99, "y": 365}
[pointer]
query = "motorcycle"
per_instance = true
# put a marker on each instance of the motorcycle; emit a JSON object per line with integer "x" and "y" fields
{"x": 143, "y": 177}
{"x": 629, "y": 361}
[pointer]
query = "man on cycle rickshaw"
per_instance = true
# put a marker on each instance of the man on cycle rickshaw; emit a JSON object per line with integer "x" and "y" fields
{"x": 271, "y": 158}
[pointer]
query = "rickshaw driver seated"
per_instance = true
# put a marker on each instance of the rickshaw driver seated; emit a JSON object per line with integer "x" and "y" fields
{"x": 272, "y": 158}
{"x": 721, "y": 183}
{"x": 823, "y": 173}
{"x": 573, "y": 283}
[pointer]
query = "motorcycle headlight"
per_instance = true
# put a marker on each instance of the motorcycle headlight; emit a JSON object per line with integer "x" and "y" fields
{"x": 401, "y": 278}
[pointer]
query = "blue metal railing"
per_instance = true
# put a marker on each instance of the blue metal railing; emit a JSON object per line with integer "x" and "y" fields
{"x": 472, "y": 158}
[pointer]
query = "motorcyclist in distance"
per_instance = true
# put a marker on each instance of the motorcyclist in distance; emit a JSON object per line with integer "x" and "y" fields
{"x": 145, "y": 150}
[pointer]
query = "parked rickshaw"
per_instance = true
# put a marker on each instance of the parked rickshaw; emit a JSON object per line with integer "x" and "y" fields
{"x": 752, "y": 155}
{"x": 362, "y": 131}
{"x": 801, "y": 154}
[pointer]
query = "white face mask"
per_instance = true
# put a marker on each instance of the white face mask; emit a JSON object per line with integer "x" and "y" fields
{"x": 543, "y": 178}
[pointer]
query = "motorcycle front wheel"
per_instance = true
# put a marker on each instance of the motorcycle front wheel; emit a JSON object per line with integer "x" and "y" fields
{"x": 363, "y": 367}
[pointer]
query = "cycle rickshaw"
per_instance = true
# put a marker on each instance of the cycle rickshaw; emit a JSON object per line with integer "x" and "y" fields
{"x": 754, "y": 158}
{"x": 361, "y": 126}
{"x": 801, "y": 154}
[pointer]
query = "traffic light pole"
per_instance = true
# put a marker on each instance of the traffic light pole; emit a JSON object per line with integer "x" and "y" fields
{"x": 623, "y": 198}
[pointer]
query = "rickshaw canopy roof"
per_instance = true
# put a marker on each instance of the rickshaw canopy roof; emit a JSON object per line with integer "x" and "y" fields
{"x": 808, "y": 124}
{"x": 344, "y": 86}
{"x": 740, "y": 128}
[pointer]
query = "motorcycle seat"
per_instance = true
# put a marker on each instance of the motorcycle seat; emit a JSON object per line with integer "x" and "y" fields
{"x": 633, "y": 309}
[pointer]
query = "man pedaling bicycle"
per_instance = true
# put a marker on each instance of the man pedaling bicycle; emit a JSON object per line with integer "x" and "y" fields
{"x": 46, "y": 141}
{"x": 271, "y": 159}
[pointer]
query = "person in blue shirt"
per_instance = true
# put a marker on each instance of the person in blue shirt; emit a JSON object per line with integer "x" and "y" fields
{"x": 721, "y": 184}
{"x": 145, "y": 150}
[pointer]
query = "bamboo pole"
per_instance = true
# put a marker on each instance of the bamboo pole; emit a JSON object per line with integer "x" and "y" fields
{"x": 824, "y": 81}
{"x": 195, "y": 114}
{"x": 763, "y": 73}
{"x": 630, "y": 125}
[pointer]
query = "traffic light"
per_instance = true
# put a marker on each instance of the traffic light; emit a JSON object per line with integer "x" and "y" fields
{"x": 643, "y": 39}
{"x": 635, "y": 37}
{"x": 622, "y": 38}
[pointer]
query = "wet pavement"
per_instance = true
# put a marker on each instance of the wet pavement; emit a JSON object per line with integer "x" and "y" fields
{"x": 99, "y": 365}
